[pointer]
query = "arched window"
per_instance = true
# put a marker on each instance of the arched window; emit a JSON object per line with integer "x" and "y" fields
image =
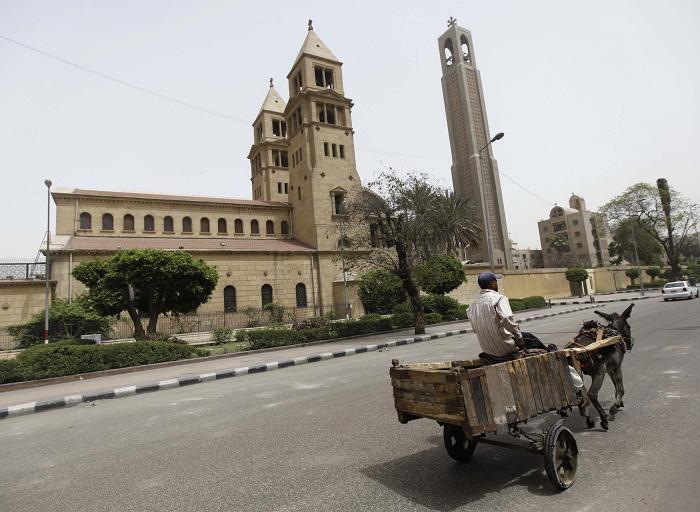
{"x": 285, "y": 227}
{"x": 343, "y": 244}
{"x": 168, "y": 224}
{"x": 221, "y": 226}
{"x": 238, "y": 226}
{"x": 204, "y": 225}
{"x": 229, "y": 299}
{"x": 85, "y": 221}
{"x": 186, "y": 225}
{"x": 107, "y": 222}
{"x": 254, "y": 227}
{"x": 266, "y": 294}
{"x": 128, "y": 222}
{"x": 149, "y": 223}
{"x": 301, "y": 295}
{"x": 466, "y": 56}
{"x": 449, "y": 52}
{"x": 269, "y": 228}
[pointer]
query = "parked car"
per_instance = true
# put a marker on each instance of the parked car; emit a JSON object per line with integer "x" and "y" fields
{"x": 679, "y": 290}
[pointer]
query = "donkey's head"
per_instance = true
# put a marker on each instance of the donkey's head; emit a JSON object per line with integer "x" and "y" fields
{"x": 620, "y": 324}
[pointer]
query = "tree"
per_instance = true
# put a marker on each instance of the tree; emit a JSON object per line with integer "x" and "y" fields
{"x": 577, "y": 275}
{"x": 147, "y": 282}
{"x": 562, "y": 251}
{"x": 653, "y": 272}
{"x": 661, "y": 212}
{"x": 400, "y": 224}
{"x": 632, "y": 273}
{"x": 440, "y": 274}
{"x": 380, "y": 290}
{"x": 621, "y": 246}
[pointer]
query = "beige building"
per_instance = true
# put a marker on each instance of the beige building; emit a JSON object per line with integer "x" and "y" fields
{"x": 282, "y": 246}
{"x": 574, "y": 236}
{"x": 524, "y": 259}
{"x": 474, "y": 169}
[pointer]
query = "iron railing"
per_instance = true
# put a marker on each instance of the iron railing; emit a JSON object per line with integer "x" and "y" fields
{"x": 22, "y": 270}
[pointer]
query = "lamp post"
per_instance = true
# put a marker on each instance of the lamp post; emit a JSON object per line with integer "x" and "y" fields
{"x": 484, "y": 212}
{"x": 341, "y": 224}
{"x": 636, "y": 257}
{"x": 46, "y": 269}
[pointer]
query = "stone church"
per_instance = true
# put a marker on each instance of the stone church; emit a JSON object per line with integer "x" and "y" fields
{"x": 282, "y": 246}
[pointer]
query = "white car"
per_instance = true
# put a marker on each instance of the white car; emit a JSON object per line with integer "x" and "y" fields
{"x": 679, "y": 290}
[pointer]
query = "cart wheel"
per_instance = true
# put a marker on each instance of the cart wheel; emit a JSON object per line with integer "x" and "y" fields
{"x": 458, "y": 446}
{"x": 560, "y": 456}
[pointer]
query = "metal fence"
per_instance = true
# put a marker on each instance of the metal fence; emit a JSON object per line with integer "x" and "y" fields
{"x": 22, "y": 270}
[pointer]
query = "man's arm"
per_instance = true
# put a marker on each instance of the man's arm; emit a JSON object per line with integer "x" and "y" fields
{"x": 506, "y": 315}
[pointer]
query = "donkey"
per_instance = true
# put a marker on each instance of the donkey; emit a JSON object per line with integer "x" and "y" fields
{"x": 605, "y": 360}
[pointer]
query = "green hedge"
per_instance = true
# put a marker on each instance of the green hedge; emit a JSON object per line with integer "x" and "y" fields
{"x": 59, "y": 359}
{"x": 536, "y": 301}
{"x": 432, "y": 318}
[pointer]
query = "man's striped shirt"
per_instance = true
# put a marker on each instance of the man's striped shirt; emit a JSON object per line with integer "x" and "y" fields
{"x": 492, "y": 321}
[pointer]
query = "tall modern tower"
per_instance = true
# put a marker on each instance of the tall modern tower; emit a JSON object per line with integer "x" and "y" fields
{"x": 474, "y": 174}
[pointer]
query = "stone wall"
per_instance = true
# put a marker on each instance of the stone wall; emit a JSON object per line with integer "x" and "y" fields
{"x": 19, "y": 300}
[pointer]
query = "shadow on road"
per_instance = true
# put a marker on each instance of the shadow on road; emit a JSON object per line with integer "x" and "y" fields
{"x": 432, "y": 479}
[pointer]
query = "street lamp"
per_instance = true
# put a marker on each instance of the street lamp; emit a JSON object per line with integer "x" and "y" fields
{"x": 484, "y": 213}
{"x": 46, "y": 269}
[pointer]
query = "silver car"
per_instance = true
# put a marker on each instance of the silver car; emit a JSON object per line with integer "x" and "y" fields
{"x": 679, "y": 290}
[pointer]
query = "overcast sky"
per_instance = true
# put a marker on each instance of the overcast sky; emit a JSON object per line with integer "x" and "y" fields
{"x": 592, "y": 96}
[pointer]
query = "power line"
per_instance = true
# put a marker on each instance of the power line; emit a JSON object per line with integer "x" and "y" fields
{"x": 216, "y": 113}
{"x": 125, "y": 83}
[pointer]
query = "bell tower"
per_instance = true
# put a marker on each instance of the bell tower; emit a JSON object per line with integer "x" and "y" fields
{"x": 474, "y": 169}
{"x": 321, "y": 144}
{"x": 269, "y": 155}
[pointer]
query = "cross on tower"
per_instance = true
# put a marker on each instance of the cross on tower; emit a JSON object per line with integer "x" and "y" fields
{"x": 451, "y": 22}
{"x": 311, "y": 24}
{"x": 271, "y": 83}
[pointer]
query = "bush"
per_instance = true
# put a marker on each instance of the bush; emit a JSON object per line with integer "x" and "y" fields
{"x": 439, "y": 304}
{"x": 456, "y": 314}
{"x": 433, "y": 318}
{"x": 653, "y": 272}
{"x": 310, "y": 323}
{"x": 517, "y": 305}
{"x": 276, "y": 312}
{"x": 404, "y": 307}
{"x": 356, "y": 327}
{"x": 535, "y": 301}
{"x": 371, "y": 316}
{"x": 576, "y": 274}
{"x": 404, "y": 319}
{"x": 66, "y": 320}
{"x": 440, "y": 274}
{"x": 222, "y": 335}
{"x": 380, "y": 291}
{"x": 632, "y": 273}
{"x": 59, "y": 359}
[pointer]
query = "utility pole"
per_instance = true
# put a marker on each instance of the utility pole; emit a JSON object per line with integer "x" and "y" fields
{"x": 636, "y": 257}
{"x": 46, "y": 270}
{"x": 484, "y": 211}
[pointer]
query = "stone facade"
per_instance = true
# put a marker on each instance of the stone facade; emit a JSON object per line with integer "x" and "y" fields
{"x": 474, "y": 169}
{"x": 583, "y": 236}
{"x": 20, "y": 299}
{"x": 524, "y": 259}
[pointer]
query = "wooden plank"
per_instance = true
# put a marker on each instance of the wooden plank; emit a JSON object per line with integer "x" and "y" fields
{"x": 549, "y": 398}
{"x": 498, "y": 395}
{"x": 525, "y": 383}
{"x": 426, "y": 410}
{"x": 479, "y": 403}
{"x": 565, "y": 377}
{"x": 410, "y": 385}
{"x": 435, "y": 376}
{"x": 468, "y": 397}
{"x": 443, "y": 365}
{"x": 513, "y": 374}
{"x": 434, "y": 398}
{"x": 535, "y": 383}
{"x": 488, "y": 400}
{"x": 553, "y": 373}
{"x": 468, "y": 363}
{"x": 508, "y": 398}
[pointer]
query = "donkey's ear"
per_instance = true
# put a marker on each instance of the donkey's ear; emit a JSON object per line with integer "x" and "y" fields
{"x": 627, "y": 312}
{"x": 608, "y": 317}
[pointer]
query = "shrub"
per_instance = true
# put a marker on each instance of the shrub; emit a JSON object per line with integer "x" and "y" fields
{"x": 276, "y": 312}
{"x": 404, "y": 307}
{"x": 517, "y": 305}
{"x": 440, "y": 274}
{"x": 433, "y": 318}
{"x": 66, "y": 320}
{"x": 275, "y": 337}
{"x": 404, "y": 319}
{"x": 653, "y": 272}
{"x": 252, "y": 316}
{"x": 632, "y": 273}
{"x": 310, "y": 323}
{"x": 380, "y": 291}
{"x": 459, "y": 313}
{"x": 59, "y": 359}
{"x": 576, "y": 274}
{"x": 356, "y": 327}
{"x": 371, "y": 316}
{"x": 535, "y": 301}
{"x": 222, "y": 335}
{"x": 439, "y": 304}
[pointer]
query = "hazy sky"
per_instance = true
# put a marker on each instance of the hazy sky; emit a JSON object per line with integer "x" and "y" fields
{"x": 592, "y": 96}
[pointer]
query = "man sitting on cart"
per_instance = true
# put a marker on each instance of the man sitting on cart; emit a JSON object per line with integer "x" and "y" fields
{"x": 498, "y": 333}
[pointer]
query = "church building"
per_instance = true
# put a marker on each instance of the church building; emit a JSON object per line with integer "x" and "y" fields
{"x": 283, "y": 245}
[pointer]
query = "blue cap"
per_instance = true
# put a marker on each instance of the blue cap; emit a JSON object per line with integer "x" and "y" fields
{"x": 485, "y": 278}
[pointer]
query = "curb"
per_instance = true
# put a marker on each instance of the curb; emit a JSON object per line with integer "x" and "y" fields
{"x": 186, "y": 380}
{"x": 604, "y": 301}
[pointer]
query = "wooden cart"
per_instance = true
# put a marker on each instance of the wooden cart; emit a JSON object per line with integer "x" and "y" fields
{"x": 470, "y": 399}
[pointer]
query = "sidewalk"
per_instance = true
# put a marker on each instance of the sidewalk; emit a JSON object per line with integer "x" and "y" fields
{"x": 36, "y": 399}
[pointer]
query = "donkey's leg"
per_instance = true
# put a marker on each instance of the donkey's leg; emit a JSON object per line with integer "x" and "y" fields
{"x": 616, "y": 377}
{"x": 596, "y": 384}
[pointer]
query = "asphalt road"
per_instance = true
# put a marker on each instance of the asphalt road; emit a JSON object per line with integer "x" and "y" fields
{"x": 325, "y": 437}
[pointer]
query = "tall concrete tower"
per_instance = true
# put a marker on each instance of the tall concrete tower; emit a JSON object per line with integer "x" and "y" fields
{"x": 474, "y": 175}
